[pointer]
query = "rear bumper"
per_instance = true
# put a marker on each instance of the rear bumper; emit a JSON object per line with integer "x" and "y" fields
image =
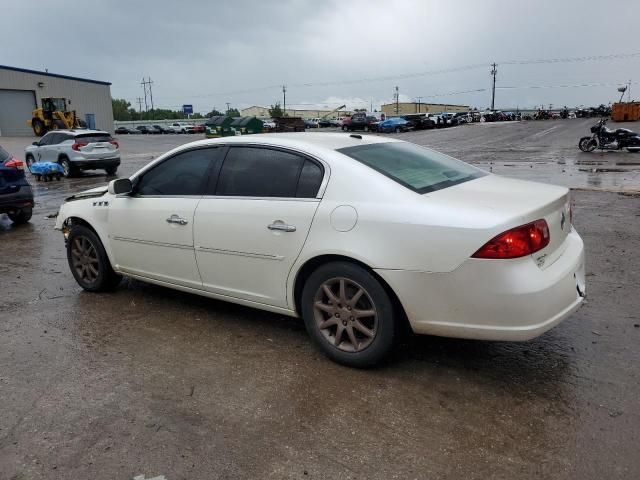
{"x": 493, "y": 299}
{"x": 97, "y": 164}
{"x": 12, "y": 202}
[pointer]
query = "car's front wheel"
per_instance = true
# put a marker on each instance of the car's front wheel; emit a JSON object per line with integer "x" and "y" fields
{"x": 349, "y": 314}
{"x": 89, "y": 262}
{"x": 111, "y": 170}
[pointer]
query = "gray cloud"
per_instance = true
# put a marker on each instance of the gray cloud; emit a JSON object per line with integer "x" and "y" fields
{"x": 208, "y": 53}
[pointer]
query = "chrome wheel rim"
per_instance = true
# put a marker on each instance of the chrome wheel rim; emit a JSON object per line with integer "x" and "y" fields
{"x": 84, "y": 258}
{"x": 345, "y": 314}
{"x": 65, "y": 168}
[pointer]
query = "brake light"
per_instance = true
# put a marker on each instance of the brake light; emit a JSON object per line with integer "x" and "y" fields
{"x": 517, "y": 242}
{"x": 77, "y": 145}
{"x": 113, "y": 142}
{"x": 14, "y": 163}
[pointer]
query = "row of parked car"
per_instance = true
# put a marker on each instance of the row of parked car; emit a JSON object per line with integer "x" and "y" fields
{"x": 403, "y": 123}
{"x": 176, "y": 127}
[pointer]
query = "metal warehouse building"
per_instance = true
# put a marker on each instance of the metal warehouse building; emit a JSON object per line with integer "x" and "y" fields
{"x": 21, "y": 91}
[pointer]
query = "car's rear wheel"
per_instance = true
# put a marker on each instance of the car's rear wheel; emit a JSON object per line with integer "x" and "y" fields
{"x": 88, "y": 261}
{"x": 68, "y": 170}
{"x": 21, "y": 216}
{"x": 348, "y": 314}
{"x": 398, "y": 130}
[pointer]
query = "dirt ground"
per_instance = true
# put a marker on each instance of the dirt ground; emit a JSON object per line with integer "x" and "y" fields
{"x": 150, "y": 381}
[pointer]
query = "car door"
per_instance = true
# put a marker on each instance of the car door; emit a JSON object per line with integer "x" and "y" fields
{"x": 151, "y": 229}
{"x": 44, "y": 152}
{"x": 249, "y": 233}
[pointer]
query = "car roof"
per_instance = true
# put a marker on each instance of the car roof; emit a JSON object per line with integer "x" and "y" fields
{"x": 311, "y": 140}
{"x": 81, "y": 131}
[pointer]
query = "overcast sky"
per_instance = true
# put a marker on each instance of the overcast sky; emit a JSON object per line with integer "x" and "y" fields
{"x": 331, "y": 52}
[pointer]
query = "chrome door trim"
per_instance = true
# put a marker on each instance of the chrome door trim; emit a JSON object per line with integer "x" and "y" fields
{"x": 241, "y": 254}
{"x": 150, "y": 242}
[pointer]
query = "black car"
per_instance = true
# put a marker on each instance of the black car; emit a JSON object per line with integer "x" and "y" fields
{"x": 123, "y": 131}
{"x": 419, "y": 121}
{"x": 16, "y": 197}
{"x": 324, "y": 123}
{"x": 162, "y": 129}
{"x": 360, "y": 121}
{"x": 145, "y": 129}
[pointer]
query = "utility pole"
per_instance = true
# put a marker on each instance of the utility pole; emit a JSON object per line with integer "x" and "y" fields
{"x": 284, "y": 100}
{"x": 139, "y": 100}
{"x": 144, "y": 87}
{"x": 397, "y": 100}
{"x": 494, "y": 72}
{"x": 419, "y": 98}
{"x": 149, "y": 82}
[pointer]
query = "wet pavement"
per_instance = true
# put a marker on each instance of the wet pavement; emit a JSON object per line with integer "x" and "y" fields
{"x": 150, "y": 381}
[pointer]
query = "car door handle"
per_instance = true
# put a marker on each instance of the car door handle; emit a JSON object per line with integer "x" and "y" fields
{"x": 176, "y": 219}
{"x": 279, "y": 225}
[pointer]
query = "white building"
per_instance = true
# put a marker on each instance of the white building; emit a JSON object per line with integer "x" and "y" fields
{"x": 22, "y": 89}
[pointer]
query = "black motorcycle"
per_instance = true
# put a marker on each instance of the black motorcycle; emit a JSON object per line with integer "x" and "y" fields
{"x": 606, "y": 139}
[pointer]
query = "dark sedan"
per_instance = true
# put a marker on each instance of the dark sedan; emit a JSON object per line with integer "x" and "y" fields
{"x": 16, "y": 197}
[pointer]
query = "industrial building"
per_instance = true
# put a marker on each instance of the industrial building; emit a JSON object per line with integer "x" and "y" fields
{"x": 406, "y": 108}
{"x": 21, "y": 90}
{"x": 263, "y": 112}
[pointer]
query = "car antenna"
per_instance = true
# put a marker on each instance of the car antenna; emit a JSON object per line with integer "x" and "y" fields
{"x": 353, "y": 135}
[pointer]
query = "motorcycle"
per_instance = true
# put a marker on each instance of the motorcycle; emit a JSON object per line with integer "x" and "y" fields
{"x": 606, "y": 139}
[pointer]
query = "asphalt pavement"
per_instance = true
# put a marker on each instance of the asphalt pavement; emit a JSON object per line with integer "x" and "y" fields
{"x": 151, "y": 381}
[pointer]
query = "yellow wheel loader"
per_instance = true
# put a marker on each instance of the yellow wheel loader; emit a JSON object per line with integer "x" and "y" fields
{"x": 54, "y": 116}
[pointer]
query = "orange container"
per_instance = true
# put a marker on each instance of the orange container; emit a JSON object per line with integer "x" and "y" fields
{"x": 625, "y": 112}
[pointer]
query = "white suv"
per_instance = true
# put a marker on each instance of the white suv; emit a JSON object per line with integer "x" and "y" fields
{"x": 181, "y": 127}
{"x": 76, "y": 150}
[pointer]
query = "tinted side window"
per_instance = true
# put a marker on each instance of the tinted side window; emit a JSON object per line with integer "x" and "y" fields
{"x": 46, "y": 140}
{"x": 310, "y": 180}
{"x": 259, "y": 172}
{"x": 183, "y": 174}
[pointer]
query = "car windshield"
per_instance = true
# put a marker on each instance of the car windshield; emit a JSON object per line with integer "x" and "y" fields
{"x": 417, "y": 168}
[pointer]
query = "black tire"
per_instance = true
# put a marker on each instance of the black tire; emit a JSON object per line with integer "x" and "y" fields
{"x": 344, "y": 128}
{"x": 58, "y": 125}
{"x": 105, "y": 279}
{"x": 398, "y": 130}
{"x": 111, "y": 170}
{"x": 383, "y": 332}
{"x": 21, "y": 216}
{"x": 29, "y": 161}
{"x": 66, "y": 165}
{"x": 587, "y": 144}
{"x": 39, "y": 129}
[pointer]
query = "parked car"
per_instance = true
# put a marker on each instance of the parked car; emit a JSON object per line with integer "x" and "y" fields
{"x": 181, "y": 127}
{"x": 310, "y": 123}
{"x": 16, "y": 196}
{"x": 122, "y": 131}
{"x": 359, "y": 121}
{"x": 144, "y": 129}
{"x": 395, "y": 124}
{"x": 162, "y": 129}
{"x": 154, "y": 130}
{"x": 325, "y": 122}
{"x": 396, "y": 231}
{"x": 269, "y": 124}
{"x": 200, "y": 128}
{"x": 76, "y": 150}
{"x": 462, "y": 117}
{"x": 419, "y": 121}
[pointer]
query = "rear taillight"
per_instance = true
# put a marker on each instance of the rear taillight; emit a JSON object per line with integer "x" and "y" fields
{"x": 517, "y": 242}
{"x": 76, "y": 146}
{"x": 113, "y": 142}
{"x": 14, "y": 163}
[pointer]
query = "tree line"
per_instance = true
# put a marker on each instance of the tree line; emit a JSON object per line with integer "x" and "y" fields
{"x": 123, "y": 111}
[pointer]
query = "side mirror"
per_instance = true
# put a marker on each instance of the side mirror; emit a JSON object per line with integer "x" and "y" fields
{"x": 120, "y": 186}
{"x": 37, "y": 144}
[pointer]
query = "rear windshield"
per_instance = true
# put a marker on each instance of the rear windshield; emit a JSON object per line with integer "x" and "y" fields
{"x": 417, "y": 168}
{"x": 4, "y": 155}
{"x": 94, "y": 137}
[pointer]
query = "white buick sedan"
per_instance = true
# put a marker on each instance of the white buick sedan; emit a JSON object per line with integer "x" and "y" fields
{"x": 357, "y": 235}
